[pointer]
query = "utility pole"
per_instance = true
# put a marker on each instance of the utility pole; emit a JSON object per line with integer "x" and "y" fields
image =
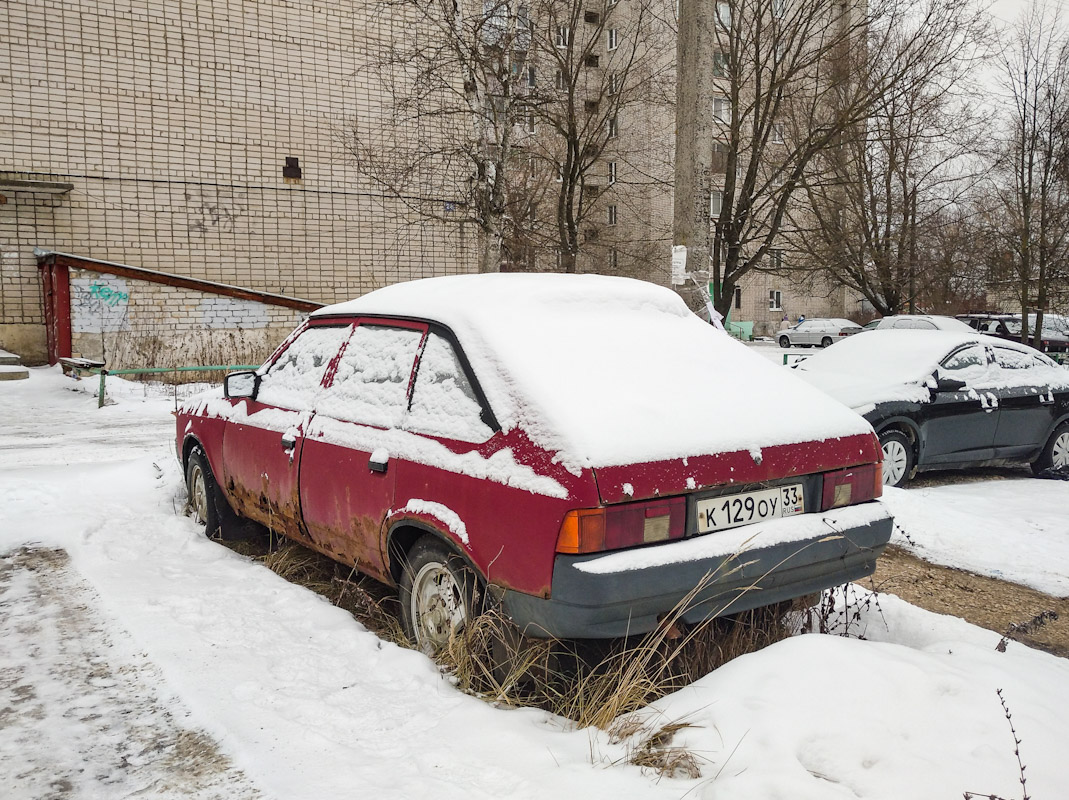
{"x": 694, "y": 136}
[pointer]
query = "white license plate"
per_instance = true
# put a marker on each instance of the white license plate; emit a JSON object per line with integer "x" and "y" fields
{"x": 731, "y": 511}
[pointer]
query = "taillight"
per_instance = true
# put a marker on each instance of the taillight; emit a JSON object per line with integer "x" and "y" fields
{"x": 855, "y": 485}
{"x": 592, "y": 530}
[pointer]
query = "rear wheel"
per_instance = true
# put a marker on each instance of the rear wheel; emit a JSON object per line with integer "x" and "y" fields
{"x": 1055, "y": 452}
{"x": 784, "y": 342}
{"x": 438, "y": 594}
{"x": 825, "y": 342}
{"x": 897, "y": 458}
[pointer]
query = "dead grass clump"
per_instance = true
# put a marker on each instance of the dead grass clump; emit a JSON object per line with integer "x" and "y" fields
{"x": 656, "y": 754}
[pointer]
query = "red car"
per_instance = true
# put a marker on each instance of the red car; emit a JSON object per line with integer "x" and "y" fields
{"x": 580, "y": 449}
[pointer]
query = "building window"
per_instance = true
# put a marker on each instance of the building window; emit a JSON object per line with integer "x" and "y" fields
{"x": 558, "y": 79}
{"x": 590, "y": 106}
{"x": 614, "y": 259}
{"x": 723, "y": 15}
{"x": 593, "y": 17}
{"x": 721, "y": 109}
{"x": 291, "y": 171}
{"x": 779, "y": 8}
{"x": 530, "y": 122}
{"x": 775, "y": 259}
{"x": 720, "y": 64}
{"x": 612, "y": 173}
{"x": 614, "y": 39}
{"x": 530, "y": 77}
{"x": 612, "y": 215}
{"x": 777, "y": 133}
{"x": 558, "y": 250}
{"x": 613, "y": 84}
{"x": 738, "y": 297}
{"x": 591, "y": 61}
{"x": 716, "y": 203}
{"x": 611, "y": 3}
{"x": 563, "y": 36}
{"x": 612, "y": 127}
{"x": 775, "y": 300}
{"x": 531, "y": 166}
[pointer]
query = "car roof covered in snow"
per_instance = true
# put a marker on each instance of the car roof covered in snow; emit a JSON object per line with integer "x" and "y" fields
{"x": 608, "y": 371}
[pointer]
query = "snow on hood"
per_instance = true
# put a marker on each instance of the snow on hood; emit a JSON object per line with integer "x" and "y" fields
{"x": 610, "y": 371}
{"x": 895, "y": 365}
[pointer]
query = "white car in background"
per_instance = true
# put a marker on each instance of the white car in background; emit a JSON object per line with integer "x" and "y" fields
{"x": 817, "y": 332}
{"x": 918, "y": 322}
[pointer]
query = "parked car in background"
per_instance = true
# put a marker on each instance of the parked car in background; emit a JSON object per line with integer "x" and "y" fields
{"x": 1054, "y": 337}
{"x": 817, "y": 332}
{"x": 560, "y": 445}
{"x": 917, "y": 322}
{"x": 945, "y": 400}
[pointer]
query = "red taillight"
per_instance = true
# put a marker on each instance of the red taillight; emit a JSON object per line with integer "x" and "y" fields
{"x": 592, "y": 530}
{"x": 849, "y": 486}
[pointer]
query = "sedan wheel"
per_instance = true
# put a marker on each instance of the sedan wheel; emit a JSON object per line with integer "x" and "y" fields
{"x": 1056, "y": 452}
{"x": 897, "y": 458}
{"x": 825, "y": 342}
{"x": 784, "y": 342}
{"x": 200, "y": 485}
{"x": 437, "y": 592}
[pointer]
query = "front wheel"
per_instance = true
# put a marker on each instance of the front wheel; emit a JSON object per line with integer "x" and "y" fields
{"x": 1056, "y": 452}
{"x": 200, "y": 483}
{"x": 437, "y": 593}
{"x": 897, "y": 458}
{"x": 784, "y": 342}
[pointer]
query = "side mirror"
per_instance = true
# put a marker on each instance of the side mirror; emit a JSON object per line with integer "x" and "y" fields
{"x": 241, "y": 384}
{"x": 943, "y": 384}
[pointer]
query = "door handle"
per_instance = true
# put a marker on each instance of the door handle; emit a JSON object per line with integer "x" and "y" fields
{"x": 1047, "y": 399}
{"x": 379, "y": 461}
{"x": 289, "y": 440}
{"x": 988, "y": 401}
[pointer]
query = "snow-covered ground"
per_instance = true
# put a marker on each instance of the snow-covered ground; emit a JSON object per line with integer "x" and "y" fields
{"x": 139, "y": 659}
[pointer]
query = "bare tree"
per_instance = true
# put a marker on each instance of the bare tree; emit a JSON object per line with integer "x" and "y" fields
{"x": 1033, "y": 193}
{"x": 878, "y": 206}
{"x": 767, "y": 86}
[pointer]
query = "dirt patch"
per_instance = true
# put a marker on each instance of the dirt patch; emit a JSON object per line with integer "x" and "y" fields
{"x": 987, "y": 602}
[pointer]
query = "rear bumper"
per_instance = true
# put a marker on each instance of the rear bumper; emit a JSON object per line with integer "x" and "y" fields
{"x": 623, "y": 593}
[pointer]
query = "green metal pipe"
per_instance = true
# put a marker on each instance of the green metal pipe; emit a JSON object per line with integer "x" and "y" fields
{"x": 159, "y": 370}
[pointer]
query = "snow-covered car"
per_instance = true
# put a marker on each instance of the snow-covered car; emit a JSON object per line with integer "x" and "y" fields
{"x": 572, "y": 448}
{"x": 941, "y": 400}
{"x": 816, "y": 332}
{"x": 917, "y": 322}
{"x": 1054, "y": 337}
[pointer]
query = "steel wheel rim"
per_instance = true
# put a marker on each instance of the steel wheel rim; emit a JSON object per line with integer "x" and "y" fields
{"x": 198, "y": 495}
{"x": 894, "y": 462}
{"x": 437, "y": 606}
{"x": 1059, "y": 454}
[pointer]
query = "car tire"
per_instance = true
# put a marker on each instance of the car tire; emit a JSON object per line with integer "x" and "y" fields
{"x": 438, "y": 594}
{"x": 1055, "y": 452}
{"x": 897, "y": 458}
{"x": 784, "y": 342}
{"x": 825, "y": 342}
{"x": 200, "y": 484}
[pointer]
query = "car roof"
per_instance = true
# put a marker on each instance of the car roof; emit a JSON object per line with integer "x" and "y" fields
{"x": 575, "y": 360}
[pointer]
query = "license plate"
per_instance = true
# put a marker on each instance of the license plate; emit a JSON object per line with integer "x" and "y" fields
{"x": 731, "y": 511}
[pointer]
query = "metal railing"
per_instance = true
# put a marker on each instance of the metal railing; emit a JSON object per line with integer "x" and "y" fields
{"x": 104, "y": 372}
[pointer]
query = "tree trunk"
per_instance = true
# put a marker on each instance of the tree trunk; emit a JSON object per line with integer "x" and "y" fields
{"x": 490, "y": 251}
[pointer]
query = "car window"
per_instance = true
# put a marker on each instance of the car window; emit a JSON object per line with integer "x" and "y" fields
{"x": 294, "y": 379}
{"x": 924, "y": 325}
{"x": 968, "y": 364}
{"x": 443, "y": 401}
{"x": 370, "y": 385}
{"x": 1007, "y": 358}
{"x": 870, "y": 325}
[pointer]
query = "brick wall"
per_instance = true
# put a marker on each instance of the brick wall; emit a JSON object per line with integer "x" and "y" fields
{"x": 131, "y": 323}
{"x": 173, "y": 120}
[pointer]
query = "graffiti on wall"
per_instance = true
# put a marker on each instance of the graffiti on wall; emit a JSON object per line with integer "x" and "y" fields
{"x": 214, "y": 210}
{"x": 99, "y": 304}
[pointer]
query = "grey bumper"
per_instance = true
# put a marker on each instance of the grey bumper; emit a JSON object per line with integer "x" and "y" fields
{"x": 623, "y": 593}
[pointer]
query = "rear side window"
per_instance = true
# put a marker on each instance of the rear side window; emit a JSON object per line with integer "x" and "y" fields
{"x": 294, "y": 379}
{"x": 443, "y": 401}
{"x": 1008, "y": 358}
{"x": 370, "y": 385}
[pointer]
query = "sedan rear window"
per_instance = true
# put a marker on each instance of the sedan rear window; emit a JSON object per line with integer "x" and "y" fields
{"x": 443, "y": 402}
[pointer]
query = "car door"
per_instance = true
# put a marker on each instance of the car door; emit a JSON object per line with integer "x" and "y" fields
{"x": 804, "y": 333}
{"x": 959, "y": 425}
{"x": 347, "y": 475}
{"x": 262, "y": 441}
{"x": 1026, "y": 403}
